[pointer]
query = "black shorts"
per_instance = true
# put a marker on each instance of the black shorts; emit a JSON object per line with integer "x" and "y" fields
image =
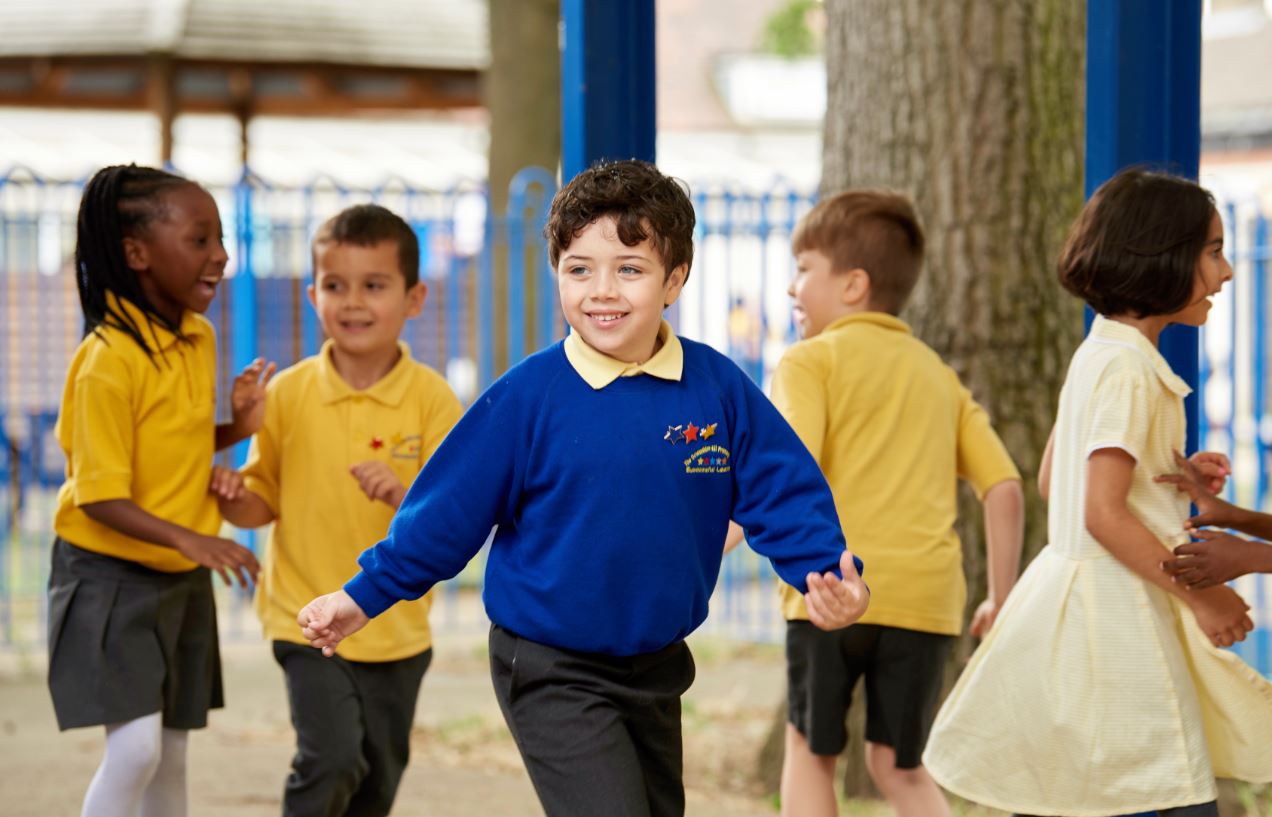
{"x": 126, "y": 641}
{"x": 904, "y": 670}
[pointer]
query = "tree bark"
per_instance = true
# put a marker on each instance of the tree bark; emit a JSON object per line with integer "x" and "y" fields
{"x": 523, "y": 96}
{"x": 975, "y": 109}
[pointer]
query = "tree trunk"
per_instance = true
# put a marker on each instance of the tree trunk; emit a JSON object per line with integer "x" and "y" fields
{"x": 975, "y": 109}
{"x": 523, "y": 96}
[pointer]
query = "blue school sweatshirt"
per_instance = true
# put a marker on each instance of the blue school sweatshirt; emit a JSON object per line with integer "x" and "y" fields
{"x": 612, "y": 504}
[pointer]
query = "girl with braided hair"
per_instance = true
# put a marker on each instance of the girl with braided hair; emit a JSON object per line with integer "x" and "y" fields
{"x": 132, "y": 622}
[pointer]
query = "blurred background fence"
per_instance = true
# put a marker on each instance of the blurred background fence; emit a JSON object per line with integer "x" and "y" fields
{"x": 479, "y": 267}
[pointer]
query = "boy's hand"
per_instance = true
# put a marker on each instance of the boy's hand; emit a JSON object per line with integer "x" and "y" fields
{"x": 329, "y": 619}
{"x": 1221, "y": 614}
{"x": 1217, "y": 558}
{"x": 984, "y": 617}
{"x": 377, "y": 481}
{"x": 226, "y": 484}
{"x": 247, "y": 396}
{"x": 833, "y": 602}
{"x": 225, "y": 556}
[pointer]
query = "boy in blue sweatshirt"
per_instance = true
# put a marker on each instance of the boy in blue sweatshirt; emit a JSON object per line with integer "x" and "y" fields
{"x": 611, "y": 463}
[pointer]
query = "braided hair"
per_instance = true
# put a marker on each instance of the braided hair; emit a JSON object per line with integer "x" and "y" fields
{"x": 118, "y": 201}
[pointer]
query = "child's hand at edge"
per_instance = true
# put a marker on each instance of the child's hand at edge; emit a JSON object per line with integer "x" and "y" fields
{"x": 377, "y": 481}
{"x": 1197, "y": 480}
{"x": 329, "y": 619}
{"x": 226, "y": 483}
{"x": 833, "y": 602}
{"x": 1217, "y": 558}
{"x": 227, "y": 557}
{"x": 1221, "y": 614}
{"x": 1213, "y": 467}
{"x": 247, "y": 396}
{"x": 984, "y": 617}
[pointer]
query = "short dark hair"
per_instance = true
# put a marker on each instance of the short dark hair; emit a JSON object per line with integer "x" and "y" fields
{"x": 364, "y": 225}
{"x": 643, "y": 202}
{"x": 1134, "y": 247}
{"x": 873, "y": 230}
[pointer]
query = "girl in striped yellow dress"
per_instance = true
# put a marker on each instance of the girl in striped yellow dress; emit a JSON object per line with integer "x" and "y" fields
{"x": 1102, "y": 689}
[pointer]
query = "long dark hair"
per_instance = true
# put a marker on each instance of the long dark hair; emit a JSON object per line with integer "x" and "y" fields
{"x": 118, "y": 201}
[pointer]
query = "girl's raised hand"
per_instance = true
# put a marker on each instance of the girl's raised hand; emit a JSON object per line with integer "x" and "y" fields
{"x": 833, "y": 602}
{"x": 329, "y": 619}
{"x": 247, "y": 396}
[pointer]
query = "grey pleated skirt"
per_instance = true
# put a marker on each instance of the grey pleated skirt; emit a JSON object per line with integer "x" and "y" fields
{"x": 126, "y": 641}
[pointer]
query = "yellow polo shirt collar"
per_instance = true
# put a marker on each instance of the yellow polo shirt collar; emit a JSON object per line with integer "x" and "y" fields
{"x": 158, "y": 336}
{"x": 599, "y": 370}
{"x": 1104, "y": 330}
{"x": 389, "y": 390}
{"x": 880, "y": 319}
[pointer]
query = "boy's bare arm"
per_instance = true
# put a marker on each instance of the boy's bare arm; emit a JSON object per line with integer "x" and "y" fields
{"x": 734, "y": 537}
{"x": 239, "y": 506}
{"x": 247, "y": 511}
{"x": 1004, "y": 505}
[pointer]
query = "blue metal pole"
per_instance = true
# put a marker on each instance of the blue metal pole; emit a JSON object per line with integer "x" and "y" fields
{"x": 607, "y": 83}
{"x": 1144, "y": 107}
{"x": 243, "y": 313}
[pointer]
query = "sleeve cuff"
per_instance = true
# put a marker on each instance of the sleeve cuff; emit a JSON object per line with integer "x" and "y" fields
{"x": 103, "y": 488}
{"x": 367, "y": 596}
{"x": 264, "y": 491}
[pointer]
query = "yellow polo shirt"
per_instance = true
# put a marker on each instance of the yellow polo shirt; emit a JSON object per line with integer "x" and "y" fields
{"x": 317, "y": 426}
{"x": 893, "y": 430}
{"x": 139, "y": 428}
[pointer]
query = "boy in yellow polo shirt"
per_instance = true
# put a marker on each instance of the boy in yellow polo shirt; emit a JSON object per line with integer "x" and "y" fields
{"x": 893, "y": 430}
{"x": 344, "y": 433}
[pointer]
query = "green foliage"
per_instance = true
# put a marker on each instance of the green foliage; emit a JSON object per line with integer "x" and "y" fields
{"x": 787, "y": 33}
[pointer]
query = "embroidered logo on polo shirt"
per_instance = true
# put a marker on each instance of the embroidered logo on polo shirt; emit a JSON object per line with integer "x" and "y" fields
{"x": 710, "y": 459}
{"x": 406, "y": 448}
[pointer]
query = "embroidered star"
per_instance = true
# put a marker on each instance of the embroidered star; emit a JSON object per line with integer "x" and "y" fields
{"x": 377, "y": 443}
{"x": 691, "y": 433}
{"x": 674, "y": 434}
{"x": 709, "y": 431}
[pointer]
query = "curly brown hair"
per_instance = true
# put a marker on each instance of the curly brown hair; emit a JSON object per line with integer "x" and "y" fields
{"x": 643, "y": 202}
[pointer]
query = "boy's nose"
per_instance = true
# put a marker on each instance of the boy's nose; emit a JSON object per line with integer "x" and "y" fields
{"x": 603, "y": 286}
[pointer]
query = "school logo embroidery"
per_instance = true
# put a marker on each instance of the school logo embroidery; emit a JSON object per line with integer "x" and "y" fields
{"x": 710, "y": 459}
{"x": 406, "y": 448}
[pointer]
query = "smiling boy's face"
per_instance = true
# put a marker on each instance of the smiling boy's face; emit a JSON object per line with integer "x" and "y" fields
{"x": 361, "y": 297}
{"x": 614, "y": 295}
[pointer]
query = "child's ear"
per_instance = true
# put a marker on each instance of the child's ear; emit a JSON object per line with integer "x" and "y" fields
{"x": 136, "y": 255}
{"x": 313, "y": 295}
{"x": 416, "y": 296}
{"x": 856, "y": 287}
{"x": 674, "y": 284}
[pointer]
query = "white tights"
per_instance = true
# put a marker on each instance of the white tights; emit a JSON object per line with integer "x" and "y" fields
{"x": 143, "y": 772}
